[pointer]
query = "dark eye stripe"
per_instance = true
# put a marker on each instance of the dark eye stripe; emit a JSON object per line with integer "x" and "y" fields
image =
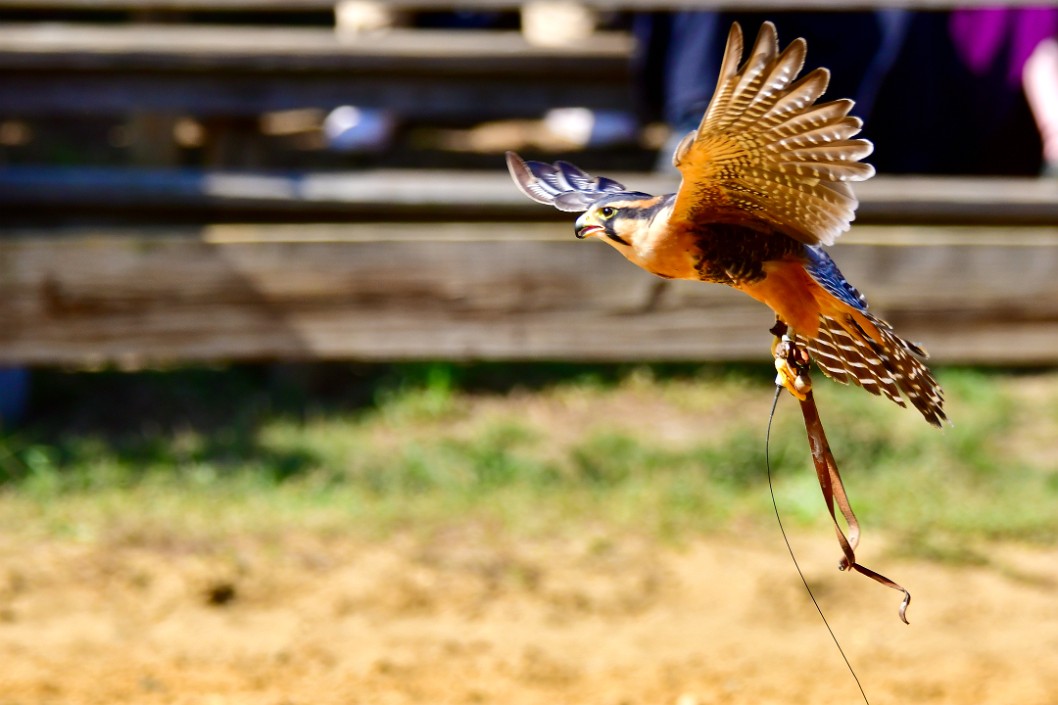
{"x": 644, "y": 209}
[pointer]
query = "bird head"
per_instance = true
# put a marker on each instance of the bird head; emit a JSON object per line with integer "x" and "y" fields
{"x": 620, "y": 219}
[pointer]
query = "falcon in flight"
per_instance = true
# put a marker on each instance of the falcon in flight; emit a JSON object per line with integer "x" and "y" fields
{"x": 765, "y": 188}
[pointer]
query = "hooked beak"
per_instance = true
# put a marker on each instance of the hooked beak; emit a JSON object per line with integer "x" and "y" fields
{"x": 583, "y": 228}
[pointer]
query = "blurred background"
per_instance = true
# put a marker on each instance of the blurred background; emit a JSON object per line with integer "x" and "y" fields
{"x": 302, "y": 401}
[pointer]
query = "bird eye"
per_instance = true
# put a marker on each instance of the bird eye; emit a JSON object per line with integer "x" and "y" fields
{"x": 607, "y": 211}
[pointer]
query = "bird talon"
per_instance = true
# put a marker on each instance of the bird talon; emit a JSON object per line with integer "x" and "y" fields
{"x": 791, "y": 364}
{"x": 796, "y": 384}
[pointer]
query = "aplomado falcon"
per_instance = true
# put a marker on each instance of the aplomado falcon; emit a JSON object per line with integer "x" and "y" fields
{"x": 765, "y": 187}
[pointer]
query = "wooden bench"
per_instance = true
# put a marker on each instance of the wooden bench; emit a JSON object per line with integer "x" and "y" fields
{"x": 499, "y": 289}
{"x": 466, "y": 291}
{"x": 247, "y": 71}
{"x": 103, "y": 265}
{"x": 123, "y": 195}
{"x": 143, "y": 80}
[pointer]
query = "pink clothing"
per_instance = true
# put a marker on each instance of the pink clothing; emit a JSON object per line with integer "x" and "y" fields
{"x": 983, "y": 37}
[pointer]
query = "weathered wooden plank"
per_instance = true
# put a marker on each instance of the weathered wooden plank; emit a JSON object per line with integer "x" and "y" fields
{"x": 476, "y": 291}
{"x": 204, "y": 70}
{"x": 296, "y": 49}
{"x": 462, "y": 195}
{"x": 969, "y": 199}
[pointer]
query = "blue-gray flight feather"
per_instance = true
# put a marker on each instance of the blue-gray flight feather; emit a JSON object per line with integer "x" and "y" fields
{"x": 561, "y": 184}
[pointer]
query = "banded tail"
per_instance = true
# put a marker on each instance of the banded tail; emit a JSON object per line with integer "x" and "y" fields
{"x": 853, "y": 345}
{"x": 861, "y": 348}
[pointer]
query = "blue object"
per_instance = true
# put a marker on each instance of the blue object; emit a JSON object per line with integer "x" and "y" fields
{"x": 14, "y": 390}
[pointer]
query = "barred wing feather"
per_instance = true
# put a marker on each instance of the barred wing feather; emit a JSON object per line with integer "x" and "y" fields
{"x": 765, "y": 152}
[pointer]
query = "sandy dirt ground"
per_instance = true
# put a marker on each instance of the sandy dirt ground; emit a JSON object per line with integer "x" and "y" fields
{"x": 469, "y": 616}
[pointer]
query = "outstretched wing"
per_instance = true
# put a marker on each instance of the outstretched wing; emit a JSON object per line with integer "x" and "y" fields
{"x": 561, "y": 184}
{"x": 765, "y": 152}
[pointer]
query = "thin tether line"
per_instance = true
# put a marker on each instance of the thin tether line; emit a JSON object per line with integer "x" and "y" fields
{"x": 786, "y": 540}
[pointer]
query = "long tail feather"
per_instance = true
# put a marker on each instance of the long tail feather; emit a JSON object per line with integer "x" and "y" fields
{"x": 870, "y": 354}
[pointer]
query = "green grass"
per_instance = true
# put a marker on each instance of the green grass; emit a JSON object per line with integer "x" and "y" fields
{"x": 668, "y": 451}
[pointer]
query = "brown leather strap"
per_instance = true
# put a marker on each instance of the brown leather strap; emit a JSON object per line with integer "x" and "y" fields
{"x": 834, "y": 493}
